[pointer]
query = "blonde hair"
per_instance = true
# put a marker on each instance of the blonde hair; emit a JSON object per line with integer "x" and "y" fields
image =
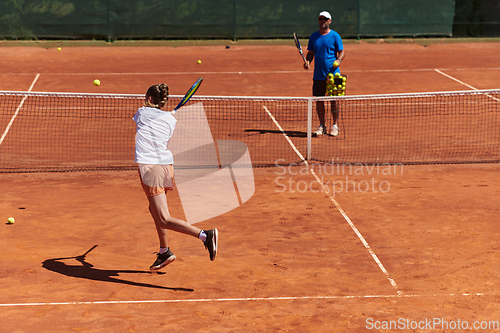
{"x": 158, "y": 94}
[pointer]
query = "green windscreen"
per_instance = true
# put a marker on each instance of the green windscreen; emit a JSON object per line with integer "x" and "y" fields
{"x": 194, "y": 19}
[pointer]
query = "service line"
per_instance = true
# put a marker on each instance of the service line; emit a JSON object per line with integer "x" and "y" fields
{"x": 465, "y": 84}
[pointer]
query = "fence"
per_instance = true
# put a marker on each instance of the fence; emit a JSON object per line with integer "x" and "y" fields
{"x": 233, "y": 19}
{"x": 477, "y": 18}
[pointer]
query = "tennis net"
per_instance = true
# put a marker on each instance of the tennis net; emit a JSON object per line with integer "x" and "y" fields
{"x": 69, "y": 131}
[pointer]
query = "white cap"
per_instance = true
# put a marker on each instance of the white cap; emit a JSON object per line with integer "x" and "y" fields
{"x": 325, "y": 14}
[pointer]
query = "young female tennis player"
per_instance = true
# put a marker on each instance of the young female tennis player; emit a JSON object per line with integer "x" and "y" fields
{"x": 154, "y": 128}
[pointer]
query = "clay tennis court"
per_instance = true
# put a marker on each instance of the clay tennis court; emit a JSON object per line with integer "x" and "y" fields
{"x": 419, "y": 246}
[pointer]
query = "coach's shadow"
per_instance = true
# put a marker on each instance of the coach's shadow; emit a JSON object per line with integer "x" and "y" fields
{"x": 296, "y": 134}
{"x": 87, "y": 271}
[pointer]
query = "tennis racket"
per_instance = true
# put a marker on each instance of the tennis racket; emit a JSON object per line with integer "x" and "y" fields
{"x": 81, "y": 258}
{"x": 297, "y": 43}
{"x": 189, "y": 94}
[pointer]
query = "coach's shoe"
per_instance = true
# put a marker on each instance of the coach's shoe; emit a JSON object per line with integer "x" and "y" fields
{"x": 162, "y": 260}
{"x": 320, "y": 130}
{"x": 335, "y": 130}
{"x": 211, "y": 242}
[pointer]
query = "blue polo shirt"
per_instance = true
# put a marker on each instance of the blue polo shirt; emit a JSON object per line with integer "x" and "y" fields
{"x": 325, "y": 49}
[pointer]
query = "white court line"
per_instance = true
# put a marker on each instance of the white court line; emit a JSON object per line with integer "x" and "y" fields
{"x": 360, "y": 236}
{"x": 286, "y": 136}
{"x": 17, "y": 110}
{"x": 327, "y": 192}
{"x": 264, "y": 72}
{"x": 456, "y": 80}
{"x": 241, "y": 299}
{"x": 465, "y": 84}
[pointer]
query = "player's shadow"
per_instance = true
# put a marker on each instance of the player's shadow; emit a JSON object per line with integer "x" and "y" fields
{"x": 86, "y": 270}
{"x": 296, "y": 134}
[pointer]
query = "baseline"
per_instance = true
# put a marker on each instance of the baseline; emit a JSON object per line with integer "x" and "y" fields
{"x": 242, "y": 299}
{"x": 256, "y": 72}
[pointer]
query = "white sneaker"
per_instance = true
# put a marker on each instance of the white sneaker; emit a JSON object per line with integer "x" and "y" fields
{"x": 320, "y": 130}
{"x": 335, "y": 130}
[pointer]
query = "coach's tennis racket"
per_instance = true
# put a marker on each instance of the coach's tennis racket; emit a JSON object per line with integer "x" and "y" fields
{"x": 189, "y": 93}
{"x": 297, "y": 43}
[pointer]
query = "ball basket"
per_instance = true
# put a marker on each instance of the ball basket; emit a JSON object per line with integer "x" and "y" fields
{"x": 336, "y": 84}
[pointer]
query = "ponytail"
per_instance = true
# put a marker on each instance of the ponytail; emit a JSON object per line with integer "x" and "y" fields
{"x": 158, "y": 94}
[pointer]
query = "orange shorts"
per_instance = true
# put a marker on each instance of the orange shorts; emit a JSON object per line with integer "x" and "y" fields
{"x": 156, "y": 179}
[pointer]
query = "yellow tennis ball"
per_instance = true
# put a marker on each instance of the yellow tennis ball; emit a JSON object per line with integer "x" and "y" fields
{"x": 97, "y": 82}
{"x": 58, "y": 49}
{"x": 199, "y": 61}
{"x": 11, "y": 220}
{"x": 336, "y": 63}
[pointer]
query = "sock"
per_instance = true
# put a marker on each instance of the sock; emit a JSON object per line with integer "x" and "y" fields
{"x": 163, "y": 250}
{"x": 202, "y": 236}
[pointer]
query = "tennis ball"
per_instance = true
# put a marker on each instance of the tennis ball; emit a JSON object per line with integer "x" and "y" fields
{"x": 97, "y": 82}
{"x": 336, "y": 63}
{"x": 11, "y": 220}
{"x": 199, "y": 61}
{"x": 58, "y": 49}
{"x": 337, "y": 74}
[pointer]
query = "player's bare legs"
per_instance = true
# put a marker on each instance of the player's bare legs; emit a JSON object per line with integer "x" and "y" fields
{"x": 162, "y": 233}
{"x": 158, "y": 207}
{"x": 320, "y": 110}
{"x": 335, "y": 112}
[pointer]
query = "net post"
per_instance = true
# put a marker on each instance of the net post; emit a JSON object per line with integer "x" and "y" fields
{"x": 309, "y": 128}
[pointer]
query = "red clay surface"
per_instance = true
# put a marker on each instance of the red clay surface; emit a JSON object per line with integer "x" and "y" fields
{"x": 265, "y": 70}
{"x": 288, "y": 259}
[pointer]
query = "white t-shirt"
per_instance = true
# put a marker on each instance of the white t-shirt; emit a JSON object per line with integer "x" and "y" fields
{"x": 154, "y": 129}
